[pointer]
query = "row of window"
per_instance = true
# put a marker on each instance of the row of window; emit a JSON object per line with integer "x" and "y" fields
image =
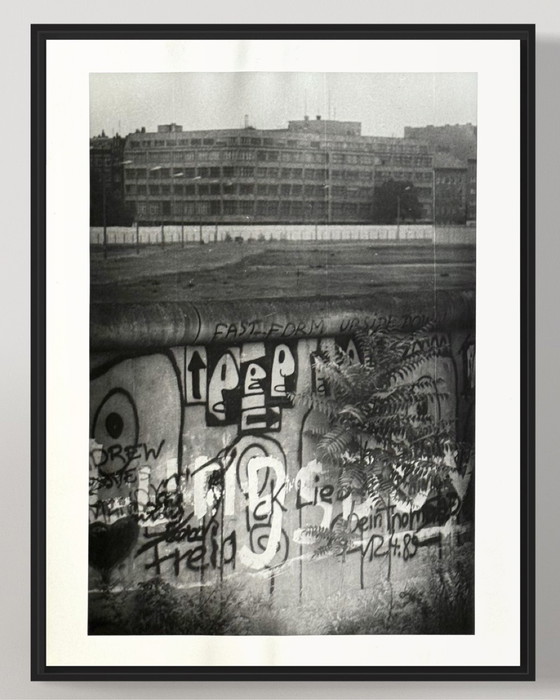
{"x": 250, "y": 209}
{"x": 353, "y": 175}
{"x": 318, "y": 174}
{"x": 412, "y": 175}
{"x": 450, "y": 180}
{"x": 249, "y": 190}
{"x": 182, "y": 142}
{"x": 232, "y": 155}
{"x": 278, "y": 156}
{"x": 225, "y": 141}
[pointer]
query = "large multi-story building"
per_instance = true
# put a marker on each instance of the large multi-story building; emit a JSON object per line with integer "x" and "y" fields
{"x": 315, "y": 171}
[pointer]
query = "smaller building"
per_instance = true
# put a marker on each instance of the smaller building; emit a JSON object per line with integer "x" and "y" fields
{"x": 459, "y": 140}
{"x": 471, "y": 191}
{"x": 454, "y": 147}
{"x": 107, "y": 201}
{"x": 450, "y": 180}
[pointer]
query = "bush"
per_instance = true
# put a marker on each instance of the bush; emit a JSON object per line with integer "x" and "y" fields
{"x": 438, "y": 600}
{"x": 157, "y": 607}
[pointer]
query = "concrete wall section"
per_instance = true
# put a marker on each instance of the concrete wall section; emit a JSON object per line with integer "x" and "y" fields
{"x": 152, "y": 235}
{"x": 203, "y": 471}
{"x": 126, "y": 235}
{"x": 142, "y": 326}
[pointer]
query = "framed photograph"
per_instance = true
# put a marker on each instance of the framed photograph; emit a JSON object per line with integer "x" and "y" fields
{"x": 283, "y": 318}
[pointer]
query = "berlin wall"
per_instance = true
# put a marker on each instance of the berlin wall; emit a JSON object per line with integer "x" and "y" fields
{"x": 173, "y": 233}
{"x": 202, "y": 467}
{"x": 194, "y": 233}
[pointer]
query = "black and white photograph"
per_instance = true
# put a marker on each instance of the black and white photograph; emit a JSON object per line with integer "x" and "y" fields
{"x": 282, "y": 353}
{"x": 283, "y": 323}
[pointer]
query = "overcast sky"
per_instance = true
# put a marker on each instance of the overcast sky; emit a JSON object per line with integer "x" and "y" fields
{"x": 384, "y": 102}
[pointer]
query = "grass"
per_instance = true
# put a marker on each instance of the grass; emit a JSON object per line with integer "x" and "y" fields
{"x": 277, "y": 269}
{"x": 439, "y": 602}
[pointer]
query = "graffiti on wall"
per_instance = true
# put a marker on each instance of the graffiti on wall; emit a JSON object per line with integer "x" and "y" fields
{"x": 202, "y": 467}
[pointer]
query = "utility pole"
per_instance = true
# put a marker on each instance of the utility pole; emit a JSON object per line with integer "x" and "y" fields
{"x": 398, "y": 216}
{"x": 406, "y": 189}
{"x": 137, "y": 217}
{"x": 104, "y": 215}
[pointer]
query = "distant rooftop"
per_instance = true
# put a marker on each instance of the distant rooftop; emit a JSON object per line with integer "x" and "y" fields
{"x": 169, "y": 128}
{"x": 326, "y": 126}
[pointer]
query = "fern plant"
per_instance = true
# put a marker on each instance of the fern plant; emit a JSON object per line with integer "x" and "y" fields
{"x": 385, "y": 431}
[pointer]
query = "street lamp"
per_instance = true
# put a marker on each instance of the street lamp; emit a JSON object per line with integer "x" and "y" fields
{"x": 104, "y": 214}
{"x": 179, "y": 174}
{"x": 226, "y": 183}
{"x": 209, "y": 182}
{"x": 131, "y": 162}
{"x": 191, "y": 179}
{"x": 105, "y": 242}
{"x": 433, "y": 203}
{"x": 152, "y": 170}
{"x": 327, "y": 189}
{"x": 406, "y": 189}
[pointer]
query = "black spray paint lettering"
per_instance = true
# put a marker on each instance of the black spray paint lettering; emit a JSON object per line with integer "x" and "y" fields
{"x": 403, "y": 545}
{"x": 127, "y": 453}
{"x": 197, "y": 555}
{"x": 326, "y": 493}
{"x": 260, "y": 329}
{"x": 224, "y": 378}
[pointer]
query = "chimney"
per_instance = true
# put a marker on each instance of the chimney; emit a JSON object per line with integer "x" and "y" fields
{"x": 318, "y": 117}
{"x": 246, "y": 121}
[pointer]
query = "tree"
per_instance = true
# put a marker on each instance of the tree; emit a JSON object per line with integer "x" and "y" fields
{"x": 385, "y": 433}
{"x": 394, "y": 201}
{"x": 117, "y": 212}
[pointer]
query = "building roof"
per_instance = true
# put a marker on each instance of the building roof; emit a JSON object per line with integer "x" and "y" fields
{"x": 448, "y": 161}
{"x": 457, "y": 139}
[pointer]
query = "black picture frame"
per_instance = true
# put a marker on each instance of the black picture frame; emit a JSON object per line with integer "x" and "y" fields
{"x": 40, "y": 36}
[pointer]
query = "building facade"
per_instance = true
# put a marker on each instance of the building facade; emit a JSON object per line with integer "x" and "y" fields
{"x": 450, "y": 180}
{"x": 315, "y": 171}
{"x": 458, "y": 140}
{"x": 471, "y": 191}
{"x": 107, "y": 201}
{"x": 455, "y": 148}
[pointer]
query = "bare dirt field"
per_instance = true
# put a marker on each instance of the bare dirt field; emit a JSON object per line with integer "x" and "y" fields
{"x": 277, "y": 269}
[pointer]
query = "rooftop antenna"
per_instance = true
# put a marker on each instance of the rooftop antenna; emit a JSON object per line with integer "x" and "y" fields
{"x": 246, "y": 122}
{"x": 305, "y": 104}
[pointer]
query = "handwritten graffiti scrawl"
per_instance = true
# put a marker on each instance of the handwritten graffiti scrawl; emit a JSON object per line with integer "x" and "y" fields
{"x": 202, "y": 467}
